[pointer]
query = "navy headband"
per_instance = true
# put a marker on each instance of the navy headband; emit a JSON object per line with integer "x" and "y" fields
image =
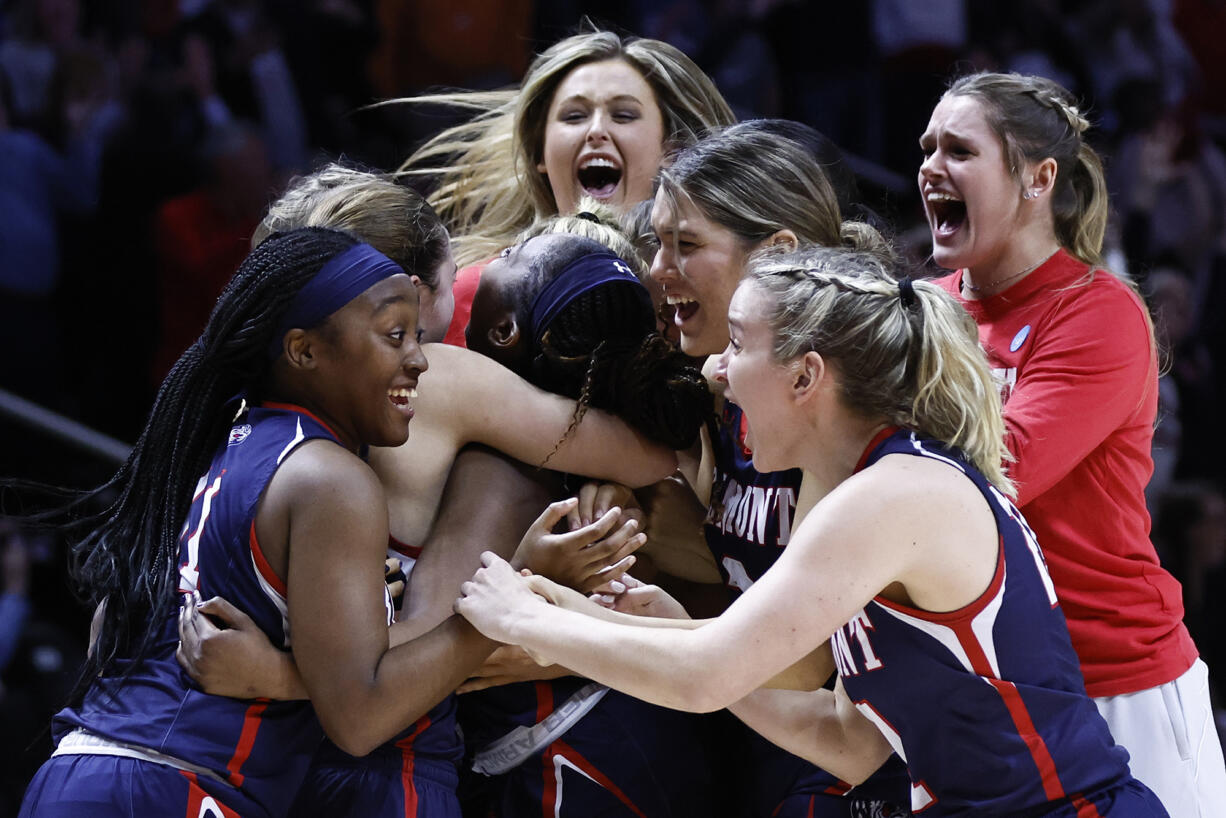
{"x": 583, "y": 274}
{"x": 343, "y": 278}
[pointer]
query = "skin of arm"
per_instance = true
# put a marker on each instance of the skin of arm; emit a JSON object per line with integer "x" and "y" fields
{"x": 327, "y": 511}
{"x": 494, "y": 406}
{"x": 844, "y": 553}
{"x": 821, "y": 726}
{"x": 489, "y": 502}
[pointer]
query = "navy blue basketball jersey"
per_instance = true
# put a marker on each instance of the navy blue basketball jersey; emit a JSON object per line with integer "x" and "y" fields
{"x": 260, "y": 747}
{"x": 750, "y": 519}
{"x": 748, "y": 526}
{"x": 986, "y": 704}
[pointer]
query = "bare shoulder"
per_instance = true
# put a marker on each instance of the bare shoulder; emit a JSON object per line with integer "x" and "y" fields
{"x": 901, "y": 490}
{"x": 319, "y": 471}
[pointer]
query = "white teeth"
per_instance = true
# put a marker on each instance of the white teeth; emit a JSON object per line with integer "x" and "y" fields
{"x": 673, "y": 300}
{"x": 413, "y": 392}
{"x": 597, "y": 162}
{"x": 937, "y": 196}
{"x": 402, "y": 393}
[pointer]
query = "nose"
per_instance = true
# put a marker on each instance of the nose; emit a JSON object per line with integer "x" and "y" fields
{"x": 721, "y": 365}
{"x": 663, "y": 267}
{"x": 598, "y": 126}
{"x": 930, "y": 167}
{"x": 415, "y": 359}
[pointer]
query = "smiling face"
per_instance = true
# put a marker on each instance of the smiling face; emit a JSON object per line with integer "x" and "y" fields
{"x": 368, "y": 361}
{"x": 604, "y": 137}
{"x": 972, "y": 202}
{"x": 757, "y": 381}
{"x": 698, "y": 272}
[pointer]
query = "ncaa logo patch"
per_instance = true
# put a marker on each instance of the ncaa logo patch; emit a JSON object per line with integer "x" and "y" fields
{"x": 238, "y": 434}
{"x": 1019, "y": 339}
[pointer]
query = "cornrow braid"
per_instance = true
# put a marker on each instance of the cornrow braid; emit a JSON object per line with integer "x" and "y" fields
{"x": 127, "y": 556}
{"x": 603, "y": 350}
{"x": 910, "y": 356}
{"x": 1035, "y": 119}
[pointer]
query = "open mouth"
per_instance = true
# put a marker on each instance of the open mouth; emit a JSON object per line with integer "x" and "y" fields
{"x": 599, "y": 178}
{"x": 683, "y": 308}
{"x": 948, "y": 213}
{"x": 400, "y": 398}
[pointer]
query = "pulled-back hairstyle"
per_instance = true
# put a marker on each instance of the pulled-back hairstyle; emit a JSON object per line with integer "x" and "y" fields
{"x": 489, "y": 189}
{"x": 603, "y": 350}
{"x": 389, "y": 216}
{"x": 1036, "y": 118}
{"x": 762, "y": 176}
{"x": 915, "y": 361}
{"x": 599, "y": 222}
{"x": 127, "y": 553}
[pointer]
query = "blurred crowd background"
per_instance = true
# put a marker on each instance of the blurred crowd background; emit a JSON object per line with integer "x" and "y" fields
{"x": 141, "y": 140}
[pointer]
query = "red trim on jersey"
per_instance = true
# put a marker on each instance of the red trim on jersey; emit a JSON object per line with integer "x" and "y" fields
{"x": 877, "y": 440}
{"x": 1034, "y": 742}
{"x": 403, "y": 549}
{"x": 196, "y": 796}
{"x": 840, "y": 787}
{"x": 408, "y": 760}
{"x": 966, "y": 612}
{"x": 246, "y": 741}
{"x": 293, "y": 407}
{"x": 1085, "y": 809}
{"x": 561, "y": 748}
{"x": 262, "y": 564}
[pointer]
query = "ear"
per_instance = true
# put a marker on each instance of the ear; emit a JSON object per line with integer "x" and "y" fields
{"x": 540, "y": 168}
{"x": 808, "y": 373}
{"x": 505, "y": 333}
{"x": 782, "y": 239}
{"x": 1042, "y": 177}
{"x": 298, "y": 346}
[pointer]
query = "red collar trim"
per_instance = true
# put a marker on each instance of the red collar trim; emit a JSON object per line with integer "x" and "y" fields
{"x": 877, "y": 440}
{"x": 293, "y": 407}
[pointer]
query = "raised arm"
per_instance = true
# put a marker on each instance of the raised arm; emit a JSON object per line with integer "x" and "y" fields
{"x": 490, "y": 404}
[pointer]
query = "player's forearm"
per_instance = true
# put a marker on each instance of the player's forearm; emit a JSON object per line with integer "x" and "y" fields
{"x": 807, "y": 724}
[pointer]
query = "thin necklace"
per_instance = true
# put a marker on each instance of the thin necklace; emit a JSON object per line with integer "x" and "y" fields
{"x": 995, "y": 284}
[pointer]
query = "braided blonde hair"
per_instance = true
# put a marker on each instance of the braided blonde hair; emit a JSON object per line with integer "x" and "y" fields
{"x": 1036, "y": 118}
{"x": 915, "y": 361}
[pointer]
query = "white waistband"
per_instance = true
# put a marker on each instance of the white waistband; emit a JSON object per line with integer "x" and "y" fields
{"x": 518, "y": 745}
{"x": 83, "y": 742}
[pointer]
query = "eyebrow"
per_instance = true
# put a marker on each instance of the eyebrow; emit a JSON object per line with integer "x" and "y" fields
{"x": 618, "y": 98}
{"x": 389, "y": 301}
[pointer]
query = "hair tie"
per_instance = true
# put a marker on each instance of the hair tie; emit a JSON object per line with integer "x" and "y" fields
{"x": 906, "y": 292}
{"x": 587, "y": 216}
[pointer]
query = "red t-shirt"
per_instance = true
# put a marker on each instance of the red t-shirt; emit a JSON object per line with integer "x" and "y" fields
{"x": 1073, "y": 353}
{"x": 465, "y": 287}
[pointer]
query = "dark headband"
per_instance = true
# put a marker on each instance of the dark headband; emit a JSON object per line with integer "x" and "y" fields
{"x": 584, "y": 273}
{"x": 343, "y": 278}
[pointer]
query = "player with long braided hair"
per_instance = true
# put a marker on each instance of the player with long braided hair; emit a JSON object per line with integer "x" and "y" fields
{"x": 248, "y": 480}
